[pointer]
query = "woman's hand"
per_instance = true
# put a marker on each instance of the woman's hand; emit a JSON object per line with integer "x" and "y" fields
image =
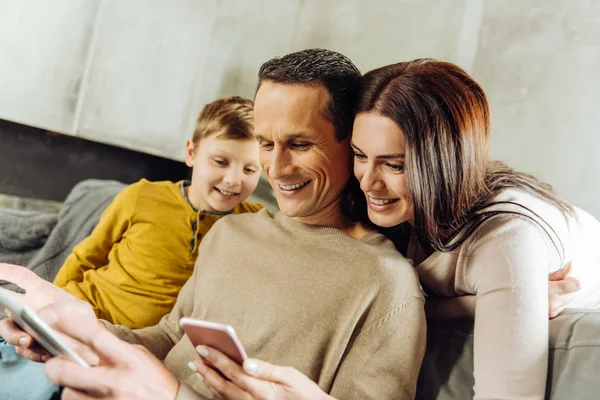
{"x": 255, "y": 380}
{"x": 562, "y": 290}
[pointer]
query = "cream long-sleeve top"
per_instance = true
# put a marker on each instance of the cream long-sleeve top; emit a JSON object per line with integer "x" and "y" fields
{"x": 505, "y": 263}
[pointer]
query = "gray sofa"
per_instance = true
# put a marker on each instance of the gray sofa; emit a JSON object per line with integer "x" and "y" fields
{"x": 573, "y": 369}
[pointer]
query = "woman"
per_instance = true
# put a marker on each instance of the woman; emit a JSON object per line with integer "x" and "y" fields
{"x": 475, "y": 228}
{"x": 421, "y": 140}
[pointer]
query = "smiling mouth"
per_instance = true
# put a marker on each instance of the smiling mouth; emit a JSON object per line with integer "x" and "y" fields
{"x": 381, "y": 202}
{"x": 296, "y": 186}
{"x": 225, "y": 192}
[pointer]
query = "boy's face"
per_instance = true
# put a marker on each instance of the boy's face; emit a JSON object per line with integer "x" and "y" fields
{"x": 225, "y": 172}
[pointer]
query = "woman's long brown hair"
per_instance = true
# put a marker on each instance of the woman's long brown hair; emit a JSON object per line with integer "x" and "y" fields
{"x": 445, "y": 118}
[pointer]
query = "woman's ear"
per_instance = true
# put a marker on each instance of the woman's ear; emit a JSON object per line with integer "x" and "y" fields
{"x": 190, "y": 153}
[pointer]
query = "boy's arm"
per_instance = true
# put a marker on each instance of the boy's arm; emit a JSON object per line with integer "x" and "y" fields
{"x": 93, "y": 251}
{"x": 384, "y": 361}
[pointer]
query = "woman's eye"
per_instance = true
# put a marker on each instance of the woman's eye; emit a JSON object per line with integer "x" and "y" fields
{"x": 395, "y": 167}
{"x": 360, "y": 156}
{"x": 249, "y": 171}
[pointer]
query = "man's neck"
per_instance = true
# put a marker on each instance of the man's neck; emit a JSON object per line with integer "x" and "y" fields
{"x": 333, "y": 217}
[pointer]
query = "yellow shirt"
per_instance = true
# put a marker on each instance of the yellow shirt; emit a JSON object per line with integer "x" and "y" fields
{"x": 133, "y": 265}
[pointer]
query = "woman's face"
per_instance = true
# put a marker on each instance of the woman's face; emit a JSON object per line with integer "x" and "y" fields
{"x": 379, "y": 148}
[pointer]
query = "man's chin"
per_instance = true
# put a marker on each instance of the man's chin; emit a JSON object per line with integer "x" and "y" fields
{"x": 291, "y": 210}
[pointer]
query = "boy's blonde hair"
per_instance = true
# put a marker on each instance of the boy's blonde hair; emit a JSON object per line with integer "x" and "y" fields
{"x": 230, "y": 117}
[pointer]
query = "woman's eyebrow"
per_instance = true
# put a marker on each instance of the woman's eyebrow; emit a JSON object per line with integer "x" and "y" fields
{"x": 383, "y": 156}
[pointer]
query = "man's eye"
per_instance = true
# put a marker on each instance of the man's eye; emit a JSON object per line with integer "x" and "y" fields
{"x": 300, "y": 146}
{"x": 360, "y": 156}
{"x": 266, "y": 145}
{"x": 395, "y": 167}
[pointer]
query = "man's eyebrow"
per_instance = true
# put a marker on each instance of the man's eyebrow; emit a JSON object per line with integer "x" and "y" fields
{"x": 288, "y": 137}
{"x": 297, "y": 135}
{"x": 383, "y": 156}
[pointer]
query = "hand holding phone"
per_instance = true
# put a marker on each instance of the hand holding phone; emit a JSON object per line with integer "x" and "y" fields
{"x": 219, "y": 336}
{"x": 43, "y": 334}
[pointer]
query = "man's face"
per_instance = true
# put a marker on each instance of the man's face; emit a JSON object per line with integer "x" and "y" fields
{"x": 305, "y": 164}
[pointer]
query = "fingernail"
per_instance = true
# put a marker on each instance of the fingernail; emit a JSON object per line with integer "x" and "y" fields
{"x": 192, "y": 366}
{"x": 202, "y": 351}
{"x": 23, "y": 341}
{"x": 45, "y": 358}
{"x": 199, "y": 377}
{"x": 251, "y": 366}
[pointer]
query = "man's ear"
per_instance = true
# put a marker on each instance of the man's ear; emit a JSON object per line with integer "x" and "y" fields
{"x": 190, "y": 153}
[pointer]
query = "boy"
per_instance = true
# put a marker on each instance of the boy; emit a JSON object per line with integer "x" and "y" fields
{"x": 132, "y": 266}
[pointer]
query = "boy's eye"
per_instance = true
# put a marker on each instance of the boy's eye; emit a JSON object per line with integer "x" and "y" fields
{"x": 219, "y": 161}
{"x": 360, "y": 156}
{"x": 395, "y": 167}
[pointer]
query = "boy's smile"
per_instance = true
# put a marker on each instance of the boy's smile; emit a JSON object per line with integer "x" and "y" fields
{"x": 225, "y": 172}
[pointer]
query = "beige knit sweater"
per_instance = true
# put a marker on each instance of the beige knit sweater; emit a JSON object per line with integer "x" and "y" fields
{"x": 347, "y": 313}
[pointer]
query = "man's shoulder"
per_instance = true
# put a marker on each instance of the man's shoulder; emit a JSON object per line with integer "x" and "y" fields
{"x": 394, "y": 271}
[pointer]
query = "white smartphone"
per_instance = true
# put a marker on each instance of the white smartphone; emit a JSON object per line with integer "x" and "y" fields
{"x": 220, "y": 336}
{"x": 43, "y": 334}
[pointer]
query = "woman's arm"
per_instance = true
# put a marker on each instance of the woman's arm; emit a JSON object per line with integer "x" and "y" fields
{"x": 507, "y": 266}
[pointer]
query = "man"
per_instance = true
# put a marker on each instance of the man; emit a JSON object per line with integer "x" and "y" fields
{"x": 305, "y": 287}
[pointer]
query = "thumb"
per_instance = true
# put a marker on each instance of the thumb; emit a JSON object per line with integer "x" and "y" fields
{"x": 267, "y": 371}
{"x": 560, "y": 273}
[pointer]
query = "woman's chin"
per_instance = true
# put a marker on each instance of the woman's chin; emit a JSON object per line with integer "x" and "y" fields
{"x": 384, "y": 221}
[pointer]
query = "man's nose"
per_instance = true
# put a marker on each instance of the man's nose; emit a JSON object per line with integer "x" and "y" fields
{"x": 280, "y": 165}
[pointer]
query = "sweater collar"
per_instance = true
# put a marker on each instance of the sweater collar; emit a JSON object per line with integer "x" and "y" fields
{"x": 293, "y": 224}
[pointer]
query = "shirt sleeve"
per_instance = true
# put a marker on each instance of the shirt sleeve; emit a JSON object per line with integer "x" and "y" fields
{"x": 93, "y": 251}
{"x": 160, "y": 339}
{"x": 384, "y": 360}
{"x": 507, "y": 268}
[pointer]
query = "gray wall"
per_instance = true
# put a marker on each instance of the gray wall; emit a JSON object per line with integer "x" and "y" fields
{"x": 136, "y": 72}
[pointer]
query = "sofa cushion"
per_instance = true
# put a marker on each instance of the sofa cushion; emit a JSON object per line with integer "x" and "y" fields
{"x": 574, "y": 360}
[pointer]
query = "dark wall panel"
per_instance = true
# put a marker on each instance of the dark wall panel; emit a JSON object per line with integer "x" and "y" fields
{"x": 44, "y": 165}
